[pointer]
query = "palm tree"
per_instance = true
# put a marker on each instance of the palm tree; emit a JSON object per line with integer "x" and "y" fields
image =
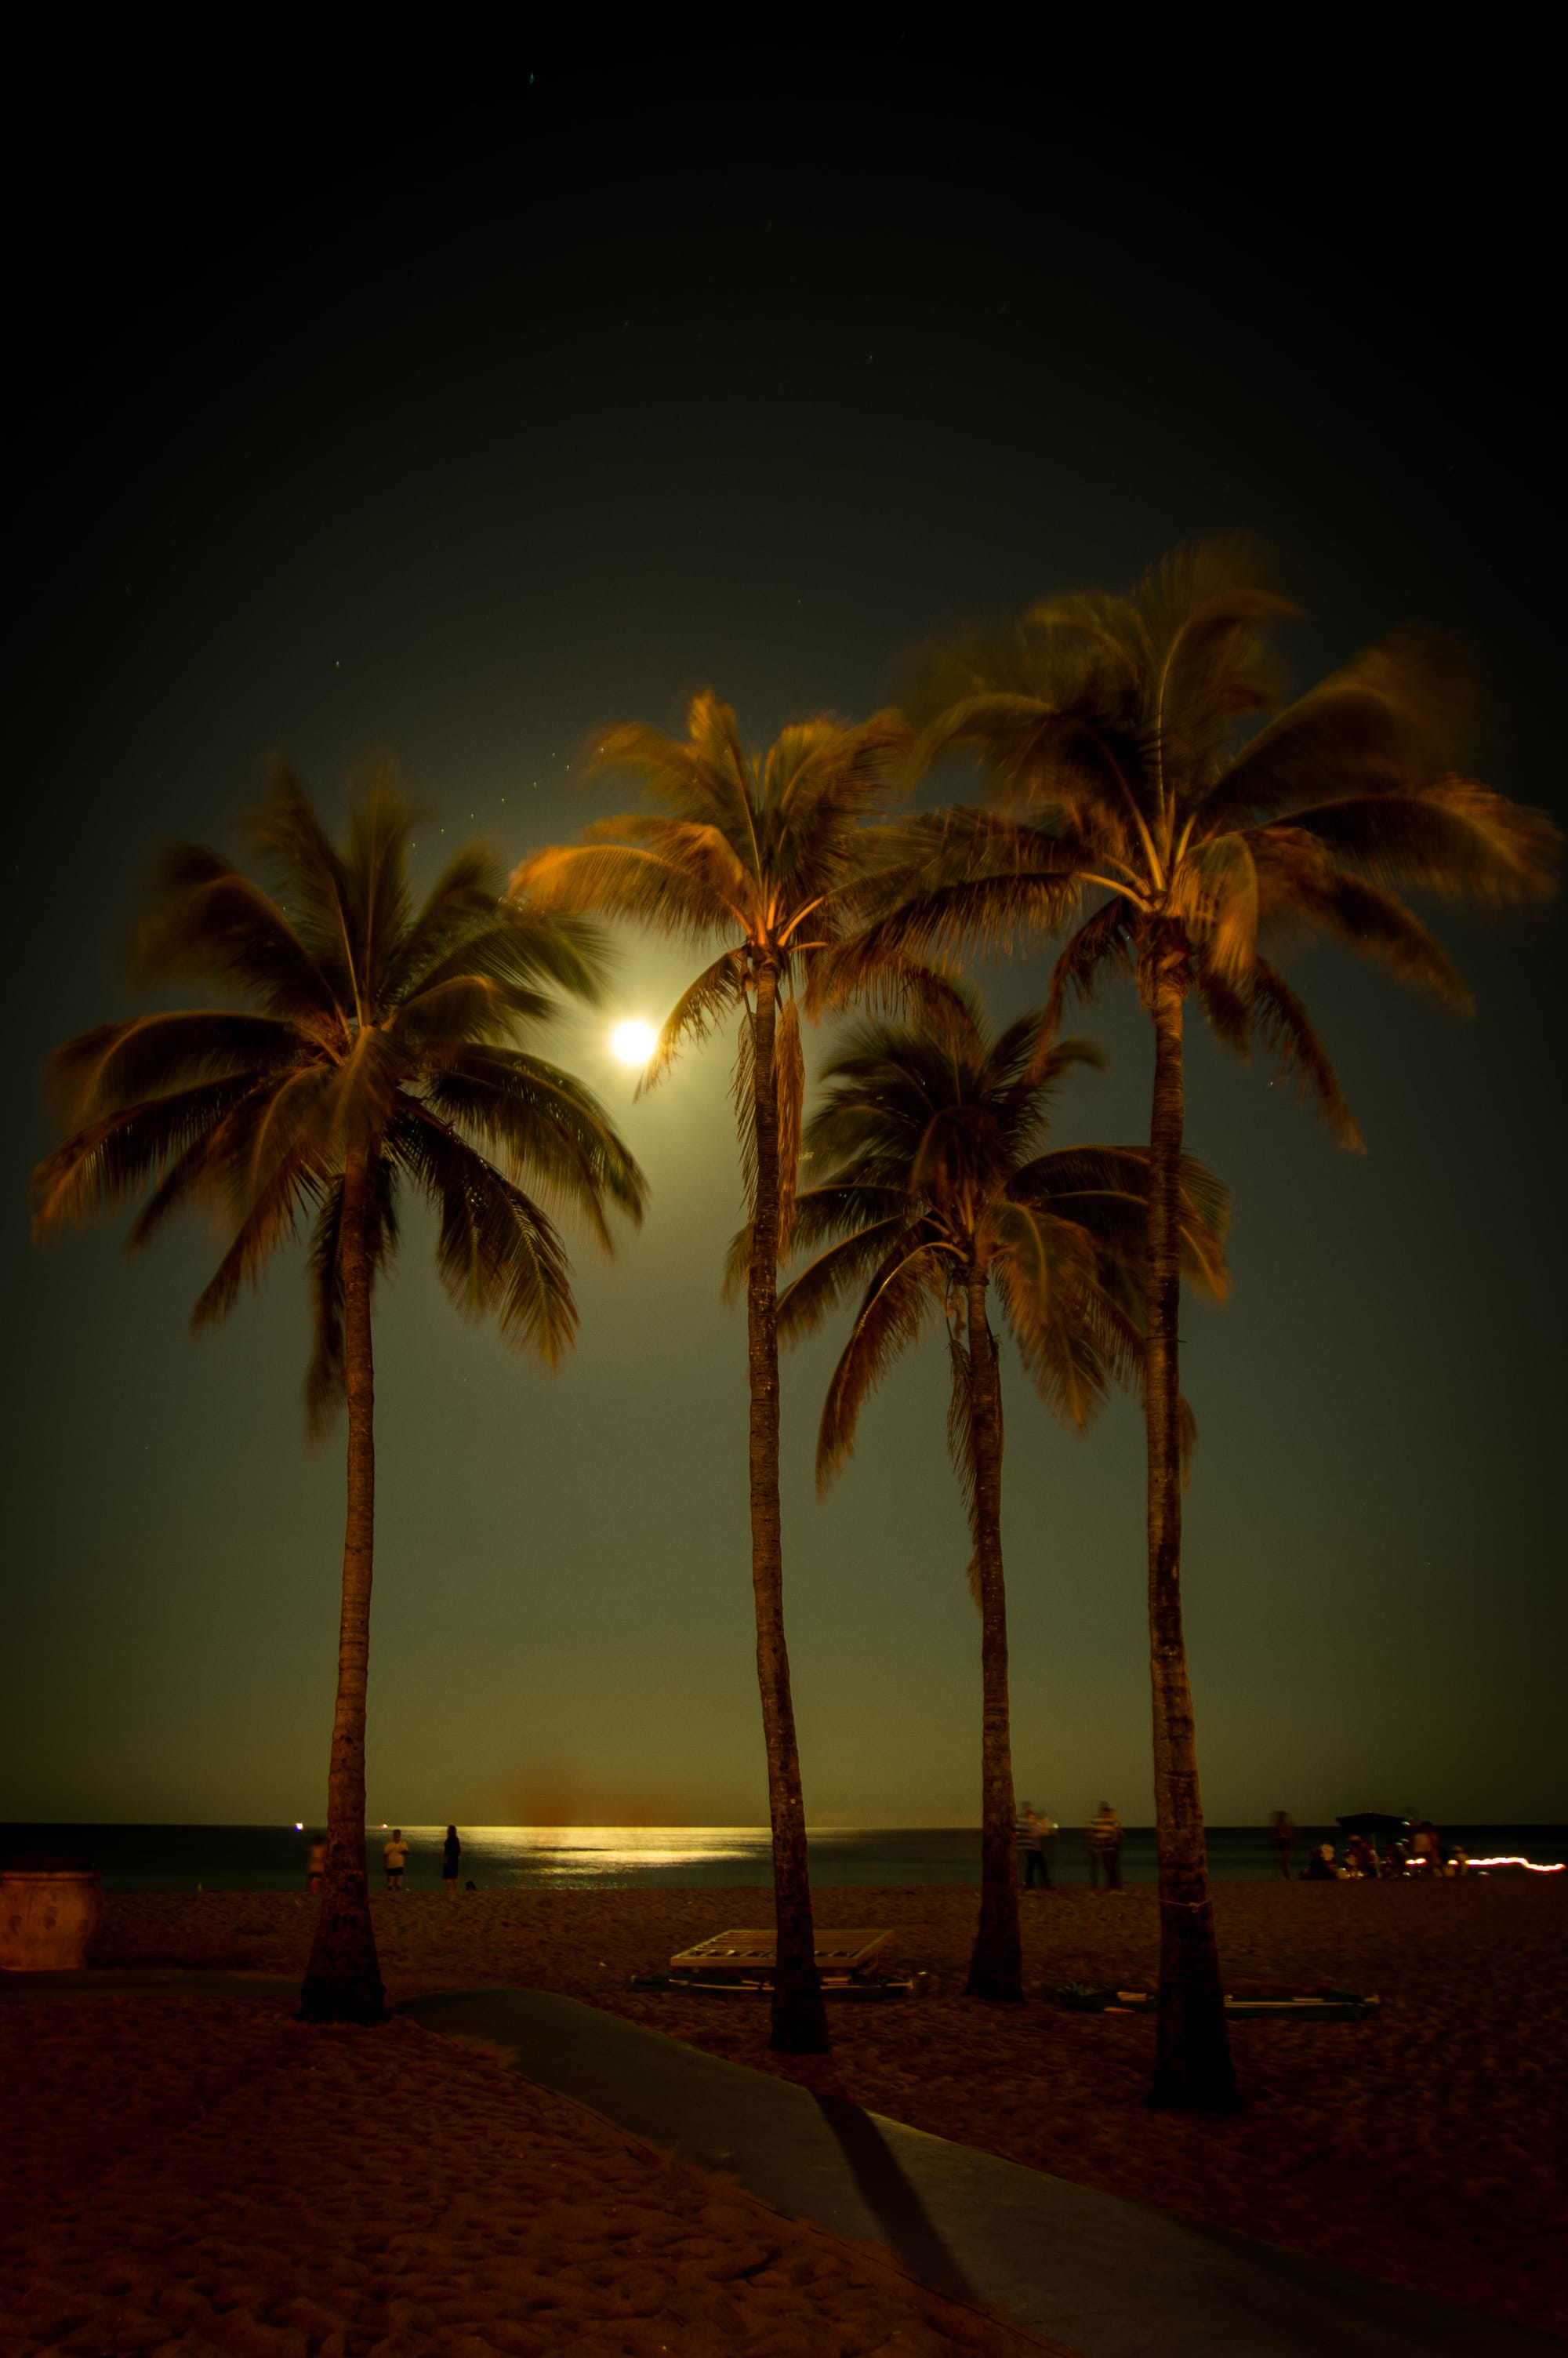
{"x": 1139, "y": 750}
{"x": 758, "y": 853}
{"x": 375, "y": 1051}
{"x": 937, "y": 1189}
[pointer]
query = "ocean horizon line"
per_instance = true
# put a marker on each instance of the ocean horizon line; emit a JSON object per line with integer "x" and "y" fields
{"x": 756, "y": 1826}
{"x": 275, "y": 1855}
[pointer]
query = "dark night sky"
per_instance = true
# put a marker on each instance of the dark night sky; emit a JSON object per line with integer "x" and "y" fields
{"x": 447, "y": 414}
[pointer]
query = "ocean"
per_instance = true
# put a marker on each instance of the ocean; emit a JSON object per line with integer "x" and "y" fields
{"x": 511, "y": 1858}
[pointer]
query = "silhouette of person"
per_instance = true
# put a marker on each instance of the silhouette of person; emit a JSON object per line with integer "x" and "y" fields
{"x": 451, "y": 1861}
{"x": 394, "y": 1858}
{"x": 1425, "y": 1848}
{"x": 1104, "y": 1831}
{"x": 316, "y": 1863}
{"x": 1282, "y": 1835}
{"x": 1034, "y": 1831}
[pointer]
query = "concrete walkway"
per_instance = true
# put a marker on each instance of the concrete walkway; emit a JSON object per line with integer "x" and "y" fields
{"x": 1111, "y": 2279}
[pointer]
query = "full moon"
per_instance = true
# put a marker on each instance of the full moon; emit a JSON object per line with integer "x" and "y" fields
{"x": 634, "y": 1042}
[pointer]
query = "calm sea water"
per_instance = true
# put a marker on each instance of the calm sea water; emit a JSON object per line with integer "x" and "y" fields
{"x": 496, "y": 1858}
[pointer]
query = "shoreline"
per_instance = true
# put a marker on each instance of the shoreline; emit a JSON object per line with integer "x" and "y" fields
{"x": 149, "y": 1859}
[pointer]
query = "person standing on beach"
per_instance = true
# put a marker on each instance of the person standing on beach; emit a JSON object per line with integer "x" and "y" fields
{"x": 1426, "y": 1851}
{"x": 451, "y": 1860}
{"x": 1104, "y": 1836}
{"x": 1282, "y": 1835}
{"x": 1033, "y": 1832}
{"x": 316, "y": 1863}
{"x": 394, "y": 1858}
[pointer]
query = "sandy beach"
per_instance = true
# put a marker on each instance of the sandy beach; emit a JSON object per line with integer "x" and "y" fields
{"x": 206, "y": 2178}
{"x": 1425, "y": 2144}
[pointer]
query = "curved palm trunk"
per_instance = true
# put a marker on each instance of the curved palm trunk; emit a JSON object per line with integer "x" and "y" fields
{"x": 996, "y": 1965}
{"x": 343, "y": 1982}
{"x": 799, "y": 2019}
{"x": 1192, "y": 2066}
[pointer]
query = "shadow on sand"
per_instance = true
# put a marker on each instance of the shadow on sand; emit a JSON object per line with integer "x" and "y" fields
{"x": 891, "y": 2200}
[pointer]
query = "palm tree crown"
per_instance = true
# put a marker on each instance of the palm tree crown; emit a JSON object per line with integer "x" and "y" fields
{"x": 931, "y": 1134}
{"x": 766, "y": 852}
{"x": 1130, "y": 761}
{"x": 375, "y": 1029}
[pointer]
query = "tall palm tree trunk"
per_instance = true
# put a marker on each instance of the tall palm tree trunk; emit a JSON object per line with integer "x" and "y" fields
{"x": 1192, "y": 2066}
{"x": 799, "y": 2018}
{"x": 343, "y": 1982}
{"x": 996, "y": 1964}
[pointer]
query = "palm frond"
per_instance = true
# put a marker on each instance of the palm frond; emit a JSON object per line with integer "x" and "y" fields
{"x": 374, "y": 867}
{"x": 737, "y": 1270}
{"x": 152, "y": 1056}
{"x": 1229, "y": 1011}
{"x": 1029, "y": 1064}
{"x": 1298, "y": 888}
{"x": 546, "y": 1129}
{"x": 701, "y": 1008}
{"x": 466, "y": 1010}
{"x": 297, "y": 1116}
{"x": 823, "y": 781}
{"x": 983, "y": 917}
{"x": 1451, "y": 837}
{"x": 1215, "y": 892}
{"x": 897, "y": 1305}
{"x": 1045, "y": 1268}
{"x": 1104, "y": 1192}
{"x": 708, "y": 776}
{"x": 498, "y": 1253}
{"x": 1282, "y": 1024}
{"x": 212, "y": 922}
{"x": 1209, "y": 609}
{"x": 271, "y": 1218}
{"x": 365, "y": 1089}
{"x": 846, "y": 1202}
{"x": 660, "y": 889}
{"x": 464, "y": 896}
{"x": 112, "y": 1158}
{"x": 1056, "y": 747}
{"x": 1396, "y": 715}
{"x": 852, "y": 1262}
{"x": 1102, "y": 940}
{"x": 521, "y": 954}
{"x": 889, "y": 984}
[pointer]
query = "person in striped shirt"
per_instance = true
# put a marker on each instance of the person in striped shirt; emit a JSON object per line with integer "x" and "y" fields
{"x": 1034, "y": 1831}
